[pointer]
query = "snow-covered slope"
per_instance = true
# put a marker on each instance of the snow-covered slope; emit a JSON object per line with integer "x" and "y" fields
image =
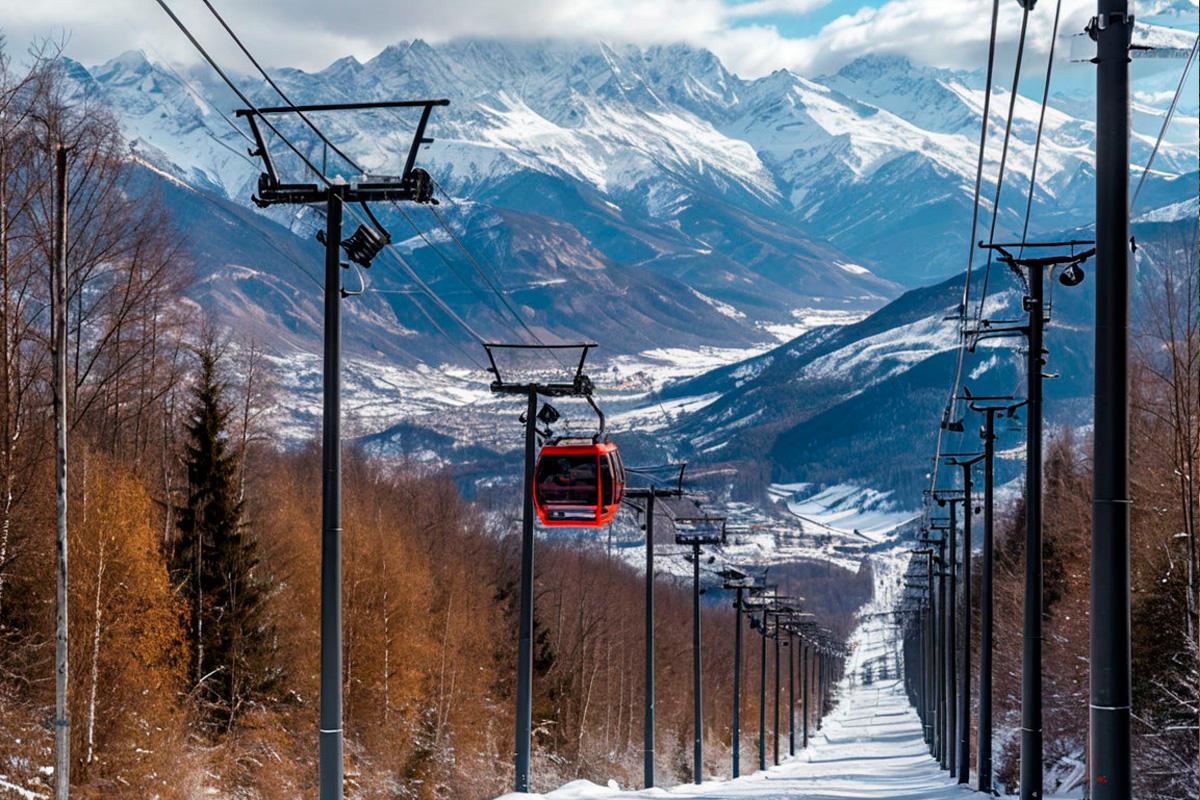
{"x": 857, "y": 404}
{"x": 870, "y": 746}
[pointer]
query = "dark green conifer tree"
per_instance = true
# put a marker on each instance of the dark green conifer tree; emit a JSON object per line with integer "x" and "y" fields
{"x": 215, "y": 560}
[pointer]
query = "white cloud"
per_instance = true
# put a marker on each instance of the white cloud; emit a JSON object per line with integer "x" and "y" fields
{"x": 760, "y": 8}
{"x": 939, "y": 33}
{"x": 309, "y": 35}
{"x": 312, "y": 33}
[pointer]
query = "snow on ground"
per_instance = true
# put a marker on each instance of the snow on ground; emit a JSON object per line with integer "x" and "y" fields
{"x": 722, "y": 308}
{"x": 455, "y": 399}
{"x": 657, "y": 416}
{"x": 458, "y": 401}
{"x": 870, "y": 746}
{"x": 853, "y": 269}
{"x": 873, "y": 359}
{"x": 628, "y": 385}
{"x": 841, "y": 524}
{"x": 809, "y": 318}
{"x": 1172, "y": 212}
{"x": 664, "y": 364}
{"x": 19, "y": 791}
{"x": 375, "y": 395}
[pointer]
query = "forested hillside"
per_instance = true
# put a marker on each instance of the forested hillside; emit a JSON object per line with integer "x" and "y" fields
{"x": 195, "y": 548}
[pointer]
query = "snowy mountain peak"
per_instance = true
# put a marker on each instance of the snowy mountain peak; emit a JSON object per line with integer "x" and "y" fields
{"x": 921, "y": 95}
{"x": 130, "y": 65}
{"x": 875, "y": 64}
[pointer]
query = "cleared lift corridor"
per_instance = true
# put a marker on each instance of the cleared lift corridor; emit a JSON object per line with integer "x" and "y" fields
{"x": 870, "y": 746}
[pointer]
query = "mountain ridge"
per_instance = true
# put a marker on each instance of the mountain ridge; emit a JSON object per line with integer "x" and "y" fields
{"x": 673, "y": 120}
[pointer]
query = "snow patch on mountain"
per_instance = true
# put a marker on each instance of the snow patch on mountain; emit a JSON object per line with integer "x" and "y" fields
{"x": 1185, "y": 209}
{"x": 375, "y": 395}
{"x": 844, "y": 509}
{"x": 810, "y": 318}
{"x": 853, "y": 269}
{"x": 722, "y": 308}
{"x": 876, "y": 358}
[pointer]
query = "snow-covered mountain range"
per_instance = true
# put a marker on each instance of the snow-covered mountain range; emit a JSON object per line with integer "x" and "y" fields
{"x": 653, "y": 201}
{"x": 766, "y": 195}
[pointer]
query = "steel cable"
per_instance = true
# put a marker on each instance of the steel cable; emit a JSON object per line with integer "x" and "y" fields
{"x": 1037, "y": 144}
{"x": 1166, "y": 122}
{"x": 952, "y": 401}
{"x": 266, "y": 76}
{"x": 1012, "y": 107}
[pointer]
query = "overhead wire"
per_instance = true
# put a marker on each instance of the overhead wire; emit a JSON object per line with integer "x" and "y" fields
{"x": 1037, "y": 148}
{"x": 320, "y": 134}
{"x": 1012, "y": 107}
{"x": 271, "y": 244}
{"x": 481, "y": 272}
{"x": 1037, "y": 142}
{"x": 428, "y": 291}
{"x": 266, "y": 239}
{"x": 665, "y": 416}
{"x": 405, "y": 266}
{"x": 996, "y": 202}
{"x": 445, "y": 308}
{"x": 497, "y": 290}
{"x": 453, "y": 342}
{"x": 237, "y": 91}
{"x": 234, "y": 127}
{"x": 471, "y": 287}
{"x": 266, "y": 76}
{"x": 952, "y": 400}
{"x": 1166, "y": 122}
{"x": 232, "y": 149}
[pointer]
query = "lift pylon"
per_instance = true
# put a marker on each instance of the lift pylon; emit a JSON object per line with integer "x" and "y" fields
{"x": 517, "y": 379}
{"x": 413, "y": 185}
{"x": 648, "y": 495}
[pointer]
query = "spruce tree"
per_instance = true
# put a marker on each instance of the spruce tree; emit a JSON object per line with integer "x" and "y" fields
{"x": 215, "y": 561}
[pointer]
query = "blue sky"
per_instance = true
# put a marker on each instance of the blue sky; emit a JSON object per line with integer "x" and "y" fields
{"x": 809, "y": 23}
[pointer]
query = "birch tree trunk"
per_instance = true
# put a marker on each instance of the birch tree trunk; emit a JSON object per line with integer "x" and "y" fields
{"x": 98, "y": 612}
{"x": 6, "y": 460}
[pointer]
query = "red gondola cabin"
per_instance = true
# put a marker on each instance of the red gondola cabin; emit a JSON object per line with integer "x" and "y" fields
{"x": 578, "y": 485}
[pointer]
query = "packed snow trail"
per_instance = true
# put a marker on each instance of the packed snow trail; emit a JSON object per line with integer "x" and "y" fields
{"x": 870, "y": 746}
